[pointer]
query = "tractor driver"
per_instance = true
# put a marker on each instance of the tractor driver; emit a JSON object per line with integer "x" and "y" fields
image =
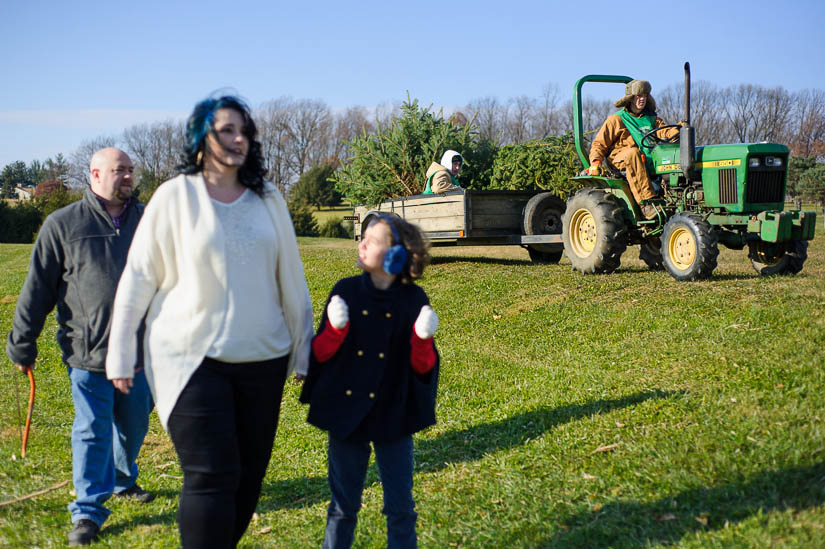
{"x": 619, "y": 142}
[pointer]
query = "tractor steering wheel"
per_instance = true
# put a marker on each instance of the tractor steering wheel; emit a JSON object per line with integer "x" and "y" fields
{"x": 656, "y": 140}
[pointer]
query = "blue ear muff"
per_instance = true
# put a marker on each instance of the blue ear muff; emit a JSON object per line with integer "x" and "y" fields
{"x": 396, "y": 257}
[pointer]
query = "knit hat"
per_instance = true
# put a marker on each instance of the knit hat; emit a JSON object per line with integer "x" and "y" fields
{"x": 634, "y": 88}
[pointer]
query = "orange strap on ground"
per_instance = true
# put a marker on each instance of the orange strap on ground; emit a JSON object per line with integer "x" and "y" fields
{"x": 30, "y": 372}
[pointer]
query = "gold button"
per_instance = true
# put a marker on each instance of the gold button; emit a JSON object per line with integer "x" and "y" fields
{"x": 380, "y": 355}
{"x": 372, "y": 395}
{"x": 360, "y": 353}
{"x": 365, "y": 312}
{"x": 388, "y": 315}
{"x": 349, "y": 393}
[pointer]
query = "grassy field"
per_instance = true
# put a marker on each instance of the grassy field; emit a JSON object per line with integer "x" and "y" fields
{"x": 625, "y": 410}
{"x": 326, "y": 213}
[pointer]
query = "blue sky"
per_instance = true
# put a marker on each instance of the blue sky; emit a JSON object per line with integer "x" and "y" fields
{"x": 76, "y": 70}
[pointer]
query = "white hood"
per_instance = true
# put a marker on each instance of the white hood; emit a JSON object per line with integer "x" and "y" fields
{"x": 447, "y": 159}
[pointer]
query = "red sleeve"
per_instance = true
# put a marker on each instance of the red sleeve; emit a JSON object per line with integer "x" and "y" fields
{"x": 327, "y": 343}
{"x": 422, "y": 354}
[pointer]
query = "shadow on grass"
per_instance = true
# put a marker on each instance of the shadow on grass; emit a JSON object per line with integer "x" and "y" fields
{"x": 149, "y": 514}
{"x": 735, "y": 276}
{"x": 474, "y": 442}
{"x": 443, "y": 260}
{"x": 295, "y": 493}
{"x": 466, "y": 445}
{"x": 668, "y": 520}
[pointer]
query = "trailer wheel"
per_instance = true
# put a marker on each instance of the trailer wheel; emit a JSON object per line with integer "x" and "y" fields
{"x": 542, "y": 215}
{"x": 778, "y": 259}
{"x": 594, "y": 231}
{"x": 650, "y": 251}
{"x": 543, "y": 257}
{"x": 689, "y": 247}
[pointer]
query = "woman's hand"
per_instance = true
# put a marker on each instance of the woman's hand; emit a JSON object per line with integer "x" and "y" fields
{"x": 123, "y": 384}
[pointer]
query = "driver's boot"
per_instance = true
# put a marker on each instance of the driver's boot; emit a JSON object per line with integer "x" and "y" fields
{"x": 648, "y": 209}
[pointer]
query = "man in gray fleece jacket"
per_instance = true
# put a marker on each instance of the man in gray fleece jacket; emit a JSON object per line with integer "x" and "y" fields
{"x": 75, "y": 266}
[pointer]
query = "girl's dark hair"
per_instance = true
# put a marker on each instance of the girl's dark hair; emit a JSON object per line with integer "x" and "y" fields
{"x": 202, "y": 121}
{"x": 413, "y": 240}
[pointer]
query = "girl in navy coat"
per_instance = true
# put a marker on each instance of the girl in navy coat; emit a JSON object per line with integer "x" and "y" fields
{"x": 373, "y": 378}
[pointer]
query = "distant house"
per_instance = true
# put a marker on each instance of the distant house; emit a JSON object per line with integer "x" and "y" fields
{"x": 24, "y": 193}
{"x": 48, "y": 187}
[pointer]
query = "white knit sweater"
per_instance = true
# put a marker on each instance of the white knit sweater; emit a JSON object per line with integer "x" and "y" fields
{"x": 176, "y": 271}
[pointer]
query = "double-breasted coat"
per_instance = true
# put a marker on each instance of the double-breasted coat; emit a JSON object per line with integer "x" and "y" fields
{"x": 368, "y": 390}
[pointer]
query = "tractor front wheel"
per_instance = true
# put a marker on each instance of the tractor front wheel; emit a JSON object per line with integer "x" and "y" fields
{"x": 778, "y": 259}
{"x": 689, "y": 247}
{"x": 594, "y": 231}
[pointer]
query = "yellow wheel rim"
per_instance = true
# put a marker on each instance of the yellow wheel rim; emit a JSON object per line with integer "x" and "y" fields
{"x": 583, "y": 233}
{"x": 682, "y": 249}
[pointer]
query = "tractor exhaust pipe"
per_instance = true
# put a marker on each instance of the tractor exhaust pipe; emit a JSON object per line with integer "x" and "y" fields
{"x": 687, "y": 94}
{"x": 687, "y": 134}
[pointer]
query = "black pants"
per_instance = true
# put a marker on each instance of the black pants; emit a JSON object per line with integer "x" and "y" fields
{"x": 223, "y": 427}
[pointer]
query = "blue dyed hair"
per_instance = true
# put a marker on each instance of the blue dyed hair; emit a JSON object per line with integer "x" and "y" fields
{"x": 202, "y": 121}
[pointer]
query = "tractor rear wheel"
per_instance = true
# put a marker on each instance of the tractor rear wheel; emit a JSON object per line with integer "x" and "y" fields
{"x": 650, "y": 251}
{"x": 689, "y": 247}
{"x": 778, "y": 259}
{"x": 542, "y": 215}
{"x": 594, "y": 231}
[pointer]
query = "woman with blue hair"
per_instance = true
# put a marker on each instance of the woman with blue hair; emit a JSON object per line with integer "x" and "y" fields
{"x": 215, "y": 270}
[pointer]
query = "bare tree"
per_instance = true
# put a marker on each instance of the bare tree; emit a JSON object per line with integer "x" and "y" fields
{"x": 807, "y": 131}
{"x": 82, "y": 157}
{"x": 774, "y": 114}
{"x": 350, "y": 124}
{"x": 310, "y": 132}
{"x": 384, "y": 114}
{"x": 274, "y": 120}
{"x": 547, "y": 119}
{"x": 155, "y": 149}
{"x": 490, "y": 117}
{"x": 707, "y": 113}
{"x": 519, "y": 118}
{"x": 669, "y": 104}
{"x": 706, "y": 110}
{"x": 740, "y": 106}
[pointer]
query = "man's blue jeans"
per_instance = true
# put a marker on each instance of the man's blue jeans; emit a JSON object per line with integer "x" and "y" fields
{"x": 107, "y": 434}
{"x": 347, "y": 470}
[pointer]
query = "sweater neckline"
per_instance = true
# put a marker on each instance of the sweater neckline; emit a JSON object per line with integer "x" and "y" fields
{"x": 229, "y": 204}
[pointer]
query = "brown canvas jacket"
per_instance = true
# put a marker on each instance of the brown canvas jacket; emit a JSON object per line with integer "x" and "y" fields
{"x": 613, "y": 136}
{"x": 441, "y": 181}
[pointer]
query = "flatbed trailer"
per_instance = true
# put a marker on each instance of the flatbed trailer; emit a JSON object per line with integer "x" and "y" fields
{"x": 463, "y": 217}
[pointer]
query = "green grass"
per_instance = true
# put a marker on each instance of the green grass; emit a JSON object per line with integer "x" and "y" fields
{"x": 326, "y": 213}
{"x": 625, "y": 410}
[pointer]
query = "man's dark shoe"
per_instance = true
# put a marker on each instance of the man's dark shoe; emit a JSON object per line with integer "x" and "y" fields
{"x": 84, "y": 532}
{"x": 136, "y": 493}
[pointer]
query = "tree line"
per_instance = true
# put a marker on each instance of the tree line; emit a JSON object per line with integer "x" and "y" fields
{"x": 298, "y": 135}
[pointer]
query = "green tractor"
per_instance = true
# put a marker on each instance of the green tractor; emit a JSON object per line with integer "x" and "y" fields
{"x": 732, "y": 195}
